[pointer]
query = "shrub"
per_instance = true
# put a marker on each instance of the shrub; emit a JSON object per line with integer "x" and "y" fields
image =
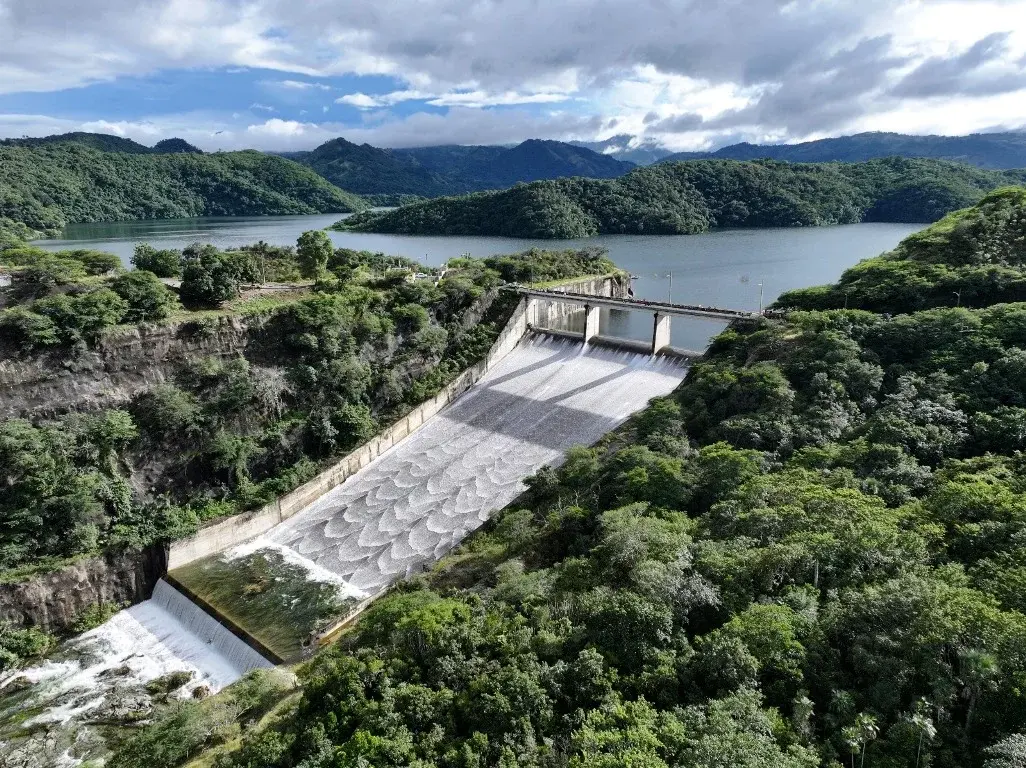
{"x": 94, "y": 262}
{"x": 25, "y": 330}
{"x": 165, "y": 263}
{"x": 148, "y": 298}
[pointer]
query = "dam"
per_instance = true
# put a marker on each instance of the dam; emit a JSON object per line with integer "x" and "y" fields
{"x": 274, "y": 596}
{"x": 422, "y": 497}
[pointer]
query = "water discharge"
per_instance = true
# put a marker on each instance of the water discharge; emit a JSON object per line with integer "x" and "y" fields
{"x": 398, "y": 514}
{"x": 101, "y": 676}
{"x": 419, "y": 499}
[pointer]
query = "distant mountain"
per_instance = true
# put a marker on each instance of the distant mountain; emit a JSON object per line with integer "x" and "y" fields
{"x": 984, "y": 150}
{"x": 619, "y": 147}
{"x": 106, "y": 142}
{"x": 47, "y": 185}
{"x": 446, "y": 170}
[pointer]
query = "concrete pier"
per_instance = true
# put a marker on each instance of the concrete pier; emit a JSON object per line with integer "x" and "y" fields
{"x": 591, "y": 322}
{"x": 660, "y": 332}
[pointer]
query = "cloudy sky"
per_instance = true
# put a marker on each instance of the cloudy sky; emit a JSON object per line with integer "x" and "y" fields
{"x": 687, "y": 74}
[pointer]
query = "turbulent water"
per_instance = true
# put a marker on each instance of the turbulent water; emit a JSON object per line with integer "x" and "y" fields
{"x": 422, "y": 497}
{"x": 100, "y": 677}
{"x": 402, "y": 511}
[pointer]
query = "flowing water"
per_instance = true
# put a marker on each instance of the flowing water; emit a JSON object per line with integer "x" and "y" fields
{"x": 421, "y": 498}
{"x": 101, "y": 677}
{"x": 727, "y": 268}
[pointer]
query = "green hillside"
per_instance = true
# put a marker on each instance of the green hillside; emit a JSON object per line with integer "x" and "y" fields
{"x": 972, "y": 258}
{"x": 691, "y": 197}
{"x": 47, "y": 186}
{"x": 809, "y": 556}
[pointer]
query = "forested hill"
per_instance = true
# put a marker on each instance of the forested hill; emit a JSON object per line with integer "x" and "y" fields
{"x": 691, "y": 197}
{"x": 447, "y": 170}
{"x": 105, "y": 142}
{"x": 808, "y": 556}
{"x": 984, "y": 150}
{"x": 49, "y": 185}
{"x": 971, "y": 258}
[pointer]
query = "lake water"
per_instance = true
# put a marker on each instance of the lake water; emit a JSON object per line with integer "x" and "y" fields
{"x": 722, "y": 268}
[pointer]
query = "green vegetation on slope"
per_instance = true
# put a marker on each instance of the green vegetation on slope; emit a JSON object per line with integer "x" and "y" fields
{"x": 809, "y": 555}
{"x": 323, "y": 368}
{"x": 448, "y": 170}
{"x": 691, "y": 197}
{"x": 47, "y": 186}
{"x": 974, "y": 257}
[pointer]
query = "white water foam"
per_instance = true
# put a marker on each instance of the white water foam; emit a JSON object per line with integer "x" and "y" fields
{"x": 168, "y": 633}
{"x": 423, "y": 496}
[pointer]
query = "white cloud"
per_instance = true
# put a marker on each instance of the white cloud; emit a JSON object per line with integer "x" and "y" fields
{"x": 689, "y": 73}
{"x": 262, "y": 107}
{"x": 298, "y": 85}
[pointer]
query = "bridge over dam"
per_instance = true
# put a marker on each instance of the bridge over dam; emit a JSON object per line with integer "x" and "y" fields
{"x": 591, "y": 305}
{"x": 268, "y": 586}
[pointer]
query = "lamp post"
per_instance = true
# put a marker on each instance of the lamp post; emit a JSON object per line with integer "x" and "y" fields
{"x": 761, "y": 289}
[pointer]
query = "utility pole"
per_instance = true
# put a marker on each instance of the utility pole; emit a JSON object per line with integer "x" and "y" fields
{"x": 669, "y": 291}
{"x": 760, "y": 296}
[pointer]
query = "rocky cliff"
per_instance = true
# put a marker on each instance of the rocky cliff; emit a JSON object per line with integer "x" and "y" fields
{"x": 54, "y": 601}
{"x": 121, "y": 365}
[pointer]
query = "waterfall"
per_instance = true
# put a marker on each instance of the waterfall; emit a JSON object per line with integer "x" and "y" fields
{"x": 202, "y": 625}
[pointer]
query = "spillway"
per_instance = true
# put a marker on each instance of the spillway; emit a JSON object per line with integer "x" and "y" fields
{"x": 101, "y": 675}
{"x": 398, "y": 514}
{"x": 423, "y": 496}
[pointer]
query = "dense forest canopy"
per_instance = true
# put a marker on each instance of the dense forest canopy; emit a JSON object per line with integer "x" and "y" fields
{"x": 449, "y": 170}
{"x": 47, "y": 186}
{"x": 809, "y": 555}
{"x": 691, "y": 197}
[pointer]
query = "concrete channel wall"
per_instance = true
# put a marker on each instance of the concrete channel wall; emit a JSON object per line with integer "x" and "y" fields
{"x": 248, "y": 525}
{"x": 238, "y": 529}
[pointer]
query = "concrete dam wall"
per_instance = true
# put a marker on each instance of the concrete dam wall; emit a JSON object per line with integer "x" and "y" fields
{"x": 419, "y": 499}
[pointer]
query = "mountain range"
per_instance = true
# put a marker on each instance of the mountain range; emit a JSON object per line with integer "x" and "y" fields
{"x": 984, "y": 150}
{"x": 453, "y": 169}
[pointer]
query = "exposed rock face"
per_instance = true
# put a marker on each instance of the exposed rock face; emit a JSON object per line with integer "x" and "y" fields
{"x": 54, "y": 601}
{"x": 120, "y": 366}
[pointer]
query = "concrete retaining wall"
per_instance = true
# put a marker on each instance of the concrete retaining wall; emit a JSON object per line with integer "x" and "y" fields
{"x": 557, "y": 315}
{"x": 235, "y": 530}
{"x": 240, "y": 528}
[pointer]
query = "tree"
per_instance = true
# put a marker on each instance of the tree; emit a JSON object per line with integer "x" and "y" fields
{"x": 164, "y": 263}
{"x": 858, "y": 735}
{"x": 148, "y": 298}
{"x": 313, "y": 249}
{"x": 210, "y": 281}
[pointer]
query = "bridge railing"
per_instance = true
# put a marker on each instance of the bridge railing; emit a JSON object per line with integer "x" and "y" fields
{"x": 646, "y": 303}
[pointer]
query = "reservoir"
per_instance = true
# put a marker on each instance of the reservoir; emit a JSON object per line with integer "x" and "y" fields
{"x": 723, "y": 268}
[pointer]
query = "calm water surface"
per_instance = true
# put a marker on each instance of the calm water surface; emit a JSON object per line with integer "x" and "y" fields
{"x": 715, "y": 269}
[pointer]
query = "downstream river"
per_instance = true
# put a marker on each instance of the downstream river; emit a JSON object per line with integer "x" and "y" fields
{"x": 722, "y": 268}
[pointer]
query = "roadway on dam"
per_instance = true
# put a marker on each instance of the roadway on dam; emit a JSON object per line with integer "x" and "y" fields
{"x": 422, "y": 497}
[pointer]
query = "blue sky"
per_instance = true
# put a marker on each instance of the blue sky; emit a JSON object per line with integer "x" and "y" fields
{"x": 686, "y": 74}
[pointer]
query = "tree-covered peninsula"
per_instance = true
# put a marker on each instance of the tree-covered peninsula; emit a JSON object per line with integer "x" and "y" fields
{"x": 691, "y": 197}
{"x": 809, "y": 555}
{"x": 45, "y": 186}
